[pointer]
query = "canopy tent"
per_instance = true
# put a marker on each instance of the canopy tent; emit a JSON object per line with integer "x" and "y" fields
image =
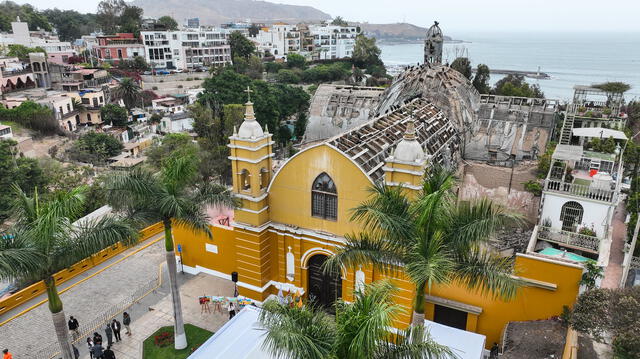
{"x": 599, "y": 132}
{"x": 242, "y": 338}
{"x": 567, "y": 153}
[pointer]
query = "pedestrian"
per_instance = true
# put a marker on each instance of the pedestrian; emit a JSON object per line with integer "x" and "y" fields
{"x": 232, "y": 310}
{"x": 90, "y": 346}
{"x": 73, "y": 327}
{"x": 98, "y": 351}
{"x": 116, "y": 326}
{"x": 109, "y": 354}
{"x": 6, "y": 354}
{"x": 76, "y": 352}
{"x": 109, "y": 334}
{"x": 97, "y": 338}
{"x": 126, "y": 321}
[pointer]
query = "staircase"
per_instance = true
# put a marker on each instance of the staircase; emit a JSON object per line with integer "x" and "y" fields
{"x": 567, "y": 126}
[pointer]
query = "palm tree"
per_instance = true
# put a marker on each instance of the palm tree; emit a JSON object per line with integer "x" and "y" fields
{"x": 78, "y": 105}
{"x": 432, "y": 238}
{"x": 358, "y": 330}
{"x": 174, "y": 196}
{"x": 45, "y": 240}
{"x": 129, "y": 92}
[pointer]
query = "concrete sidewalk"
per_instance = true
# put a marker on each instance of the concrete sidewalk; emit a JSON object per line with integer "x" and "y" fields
{"x": 613, "y": 272}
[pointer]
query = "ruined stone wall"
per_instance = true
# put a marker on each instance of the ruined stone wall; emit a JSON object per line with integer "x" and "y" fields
{"x": 481, "y": 180}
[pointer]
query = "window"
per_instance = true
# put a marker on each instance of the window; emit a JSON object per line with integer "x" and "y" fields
{"x": 264, "y": 178}
{"x": 324, "y": 198}
{"x": 571, "y": 216}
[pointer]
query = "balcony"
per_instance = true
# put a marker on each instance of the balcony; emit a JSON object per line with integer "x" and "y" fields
{"x": 27, "y": 70}
{"x": 567, "y": 239}
{"x": 580, "y": 190}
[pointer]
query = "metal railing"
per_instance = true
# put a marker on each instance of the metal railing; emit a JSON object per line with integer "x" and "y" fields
{"x": 635, "y": 263}
{"x": 585, "y": 191}
{"x": 88, "y": 328}
{"x": 569, "y": 239}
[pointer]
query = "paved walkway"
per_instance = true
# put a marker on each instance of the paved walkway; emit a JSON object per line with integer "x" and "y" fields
{"x": 33, "y": 331}
{"x": 161, "y": 314}
{"x": 613, "y": 272}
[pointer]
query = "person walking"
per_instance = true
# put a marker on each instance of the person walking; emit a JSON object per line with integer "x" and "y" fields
{"x": 232, "y": 310}
{"x": 126, "y": 321}
{"x": 116, "y": 326}
{"x": 76, "y": 352}
{"x": 97, "y": 338}
{"x": 6, "y": 354}
{"x": 90, "y": 346}
{"x": 109, "y": 354}
{"x": 109, "y": 334}
{"x": 73, "y": 327}
{"x": 98, "y": 351}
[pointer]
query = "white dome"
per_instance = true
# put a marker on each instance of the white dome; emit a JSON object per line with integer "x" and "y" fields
{"x": 409, "y": 151}
{"x": 250, "y": 128}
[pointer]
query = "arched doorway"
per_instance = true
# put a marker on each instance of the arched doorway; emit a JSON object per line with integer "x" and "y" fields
{"x": 324, "y": 288}
{"x": 571, "y": 216}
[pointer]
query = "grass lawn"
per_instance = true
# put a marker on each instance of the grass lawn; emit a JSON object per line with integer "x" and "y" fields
{"x": 195, "y": 337}
{"x": 582, "y": 182}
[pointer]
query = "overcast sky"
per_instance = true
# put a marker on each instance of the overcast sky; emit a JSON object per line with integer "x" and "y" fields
{"x": 460, "y": 15}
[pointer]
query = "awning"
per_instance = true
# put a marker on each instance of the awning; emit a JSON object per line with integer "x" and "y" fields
{"x": 599, "y": 132}
{"x": 567, "y": 153}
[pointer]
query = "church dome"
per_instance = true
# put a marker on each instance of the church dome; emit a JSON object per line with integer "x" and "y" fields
{"x": 250, "y": 128}
{"x": 409, "y": 149}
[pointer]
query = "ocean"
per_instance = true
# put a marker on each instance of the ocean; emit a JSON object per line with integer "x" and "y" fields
{"x": 569, "y": 58}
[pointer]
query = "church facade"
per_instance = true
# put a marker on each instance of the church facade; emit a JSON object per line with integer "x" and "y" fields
{"x": 292, "y": 216}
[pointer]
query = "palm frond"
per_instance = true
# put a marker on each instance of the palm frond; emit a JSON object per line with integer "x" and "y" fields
{"x": 135, "y": 189}
{"x": 193, "y": 216}
{"x": 19, "y": 258}
{"x": 438, "y": 179}
{"x": 23, "y": 208}
{"x": 363, "y": 249}
{"x": 178, "y": 171}
{"x": 480, "y": 269}
{"x": 413, "y": 343}
{"x": 293, "y": 333}
{"x": 429, "y": 261}
{"x": 213, "y": 194}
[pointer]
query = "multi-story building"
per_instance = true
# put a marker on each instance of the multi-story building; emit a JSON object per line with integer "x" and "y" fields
{"x": 16, "y": 75}
{"x": 92, "y": 100}
{"x": 60, "y": 103}
{"x": 193, "y": 23}
{"x": 187, "y": 49}
{"x": 57, "y": 51}
{"x": 333, "y": 42}
{"x": 582, "y": 188}
{"x": 118, "y": 47}
{"x": 312, "y": 41}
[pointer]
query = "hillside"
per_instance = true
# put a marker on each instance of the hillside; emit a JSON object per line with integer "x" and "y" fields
{"x": 398, "y": 32}
{"x": 215, "y": 12}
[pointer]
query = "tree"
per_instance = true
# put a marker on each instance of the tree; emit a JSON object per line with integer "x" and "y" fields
{"x": 296, "y": 61}
{"x": 70, "y": 24}
{"x": 300, "y": 125}
{"x": 22, "y": 52}
{"x": 131, "y": 19}
{"x": 168, "y": 22}
{"x": 95, "y": 148}
{"x": 591, "y": 274}
{"x": 288, "y": 77}
{"x": 339, "y": 21}
{"x": 47, "y": 239}
{"x": 33, "y": 116}
{"x": 108, "y": 16}
{"x": 463, "y": 66}
{"x": 613, "y": 87}
{"x": 240, "y": 45}
{"x": 9, "y": 10}
{"x": 251, "y": 66}
{"x": 129, "y": 92}
{"x": 176, "y": 197}
{"x": 434, "y": 239}
{"x": 366, "y": 52}
{"x": 22, "y": 171}
{"x": 137, "y": 64}
{"x": 515, "y": 85}
{"x": 114, "y": 115}
{"x": 614, "y": 311}
{"x": 358, "y": 330}
{"x": 173, "y": 144}
{"x": 481, "y": 79}
{"x": 254, "y": 29}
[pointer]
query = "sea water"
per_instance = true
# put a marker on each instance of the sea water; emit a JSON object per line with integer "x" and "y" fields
{"x": 569, "y": 58}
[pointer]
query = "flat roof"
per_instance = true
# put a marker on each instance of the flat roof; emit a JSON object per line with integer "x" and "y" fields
{"x": 568, "y": 153}
{"x": 599, "y": 132}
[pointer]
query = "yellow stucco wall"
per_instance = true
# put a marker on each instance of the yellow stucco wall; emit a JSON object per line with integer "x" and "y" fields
{"x": 290, "y": 191}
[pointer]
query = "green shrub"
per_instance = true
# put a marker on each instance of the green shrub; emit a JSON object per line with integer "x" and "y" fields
{"x": 180, "y": 86}
{"x": 534, "y": 187}
{"x": 154, "y": 88}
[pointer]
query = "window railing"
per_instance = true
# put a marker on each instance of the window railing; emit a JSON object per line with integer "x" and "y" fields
{"x": 569, "y": 239}
{"x": 579, "y": 190}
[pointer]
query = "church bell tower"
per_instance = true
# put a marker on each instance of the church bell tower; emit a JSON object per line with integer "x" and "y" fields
{"x": 406, "y": 166}
{"x": 433, "y": 45}
{"x": 251, "y": 162}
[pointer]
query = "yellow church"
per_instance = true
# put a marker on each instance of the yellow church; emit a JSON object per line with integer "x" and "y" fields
{"x": 292, "y": 216}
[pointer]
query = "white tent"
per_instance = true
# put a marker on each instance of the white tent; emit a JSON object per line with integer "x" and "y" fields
{"x": 599, "y": 132}
{"x": 242, "y": 338}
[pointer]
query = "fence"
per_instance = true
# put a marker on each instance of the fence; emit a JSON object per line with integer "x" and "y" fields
{"x": 87, "y": 329}
{"x": 64, "y": 275}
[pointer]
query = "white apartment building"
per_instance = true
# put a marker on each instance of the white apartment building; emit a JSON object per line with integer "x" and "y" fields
{"x": 333, "y": 42}
{"x": 186, "y": 49}
{"x": 57, "y": 51}
{"x": 317, "y": 42}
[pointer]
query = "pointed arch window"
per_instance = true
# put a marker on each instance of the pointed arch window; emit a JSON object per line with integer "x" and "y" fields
{"x": 324, "y": 198}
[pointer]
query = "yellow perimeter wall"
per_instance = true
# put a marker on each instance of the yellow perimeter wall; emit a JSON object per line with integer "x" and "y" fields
{"x": 552, "y": 284}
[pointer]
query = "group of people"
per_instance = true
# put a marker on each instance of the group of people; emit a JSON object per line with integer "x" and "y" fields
{"x": 232, "y": 304}
{"x": 112, "y": 330}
